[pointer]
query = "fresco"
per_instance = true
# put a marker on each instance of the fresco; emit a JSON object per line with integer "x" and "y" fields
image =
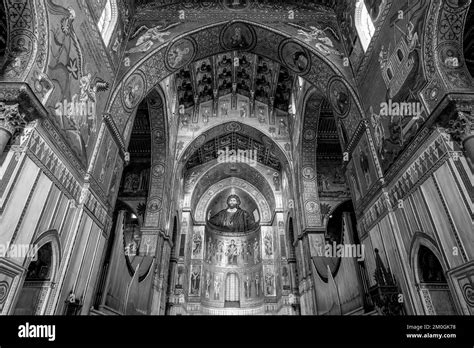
{"x": 364, "y": 164}
{"x": 395, "y": 110}
{"x": 267, "y": 243}
{"x": 331, "y": 181}
{"x": 229, "y": 251}
{"x": 195, "y": 280}
{"x": 146, "y": 37}
{"x": 180, "y": 53}
{"x": 75, "y": 84}
{"x": 238, "y": 36}
{"x": 107, "y": 158}
{"x": 295, "y": 56}
{"x": 269, "y": 280}
{"x": 134, "y": 90}
{"x": 322, "y": 36}
{"x": 197, "y": 244}
{"x": 135, "y": 180}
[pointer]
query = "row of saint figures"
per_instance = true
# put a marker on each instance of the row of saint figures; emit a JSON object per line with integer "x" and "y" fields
{"x": 247, "y": 286}
{"x": 233, "y": 252}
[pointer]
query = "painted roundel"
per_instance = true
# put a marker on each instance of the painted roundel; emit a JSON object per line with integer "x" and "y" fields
{"x": 309, "y": 134}
{"x": 295, "y": 56}
{"x": 312, "y": 207}
{"x": 469, "y": 294}
{"x": 339, "y": 97}
{"x": 154, "y": 205}
{"x": 199, "y": 141}
{"x": 158, "y": 136}
{"x": 238, "y": 36}
{"x": 3, "y": 291}
{"x": 180, "y": 53}
{"x": 158, "y": 170}
{"x": 308, "y": 173}
{"x": 236, "y": 5}
{"x": 233, "y": 127}
{"x": 133, "y": 90}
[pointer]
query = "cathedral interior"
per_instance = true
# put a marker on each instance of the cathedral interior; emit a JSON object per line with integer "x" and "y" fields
{"x": 236, "y": 157}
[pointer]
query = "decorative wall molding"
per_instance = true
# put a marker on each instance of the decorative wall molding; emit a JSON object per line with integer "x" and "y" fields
{"x": 56, "y": 169}
{"x": 437, "y": 151}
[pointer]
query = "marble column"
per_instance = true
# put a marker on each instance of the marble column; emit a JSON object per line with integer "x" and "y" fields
{"x": 11, "y": 122}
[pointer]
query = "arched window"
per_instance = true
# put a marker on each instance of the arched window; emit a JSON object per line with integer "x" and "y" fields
{"x": 364, "y": 25}
{"x": 108, "y": 20}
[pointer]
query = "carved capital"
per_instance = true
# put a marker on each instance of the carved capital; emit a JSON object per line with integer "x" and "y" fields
{"x": 11, "y": 119}
{"x": 461, "y": 126}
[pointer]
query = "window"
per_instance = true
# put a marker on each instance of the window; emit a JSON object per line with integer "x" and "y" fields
{"x": 364, "y": 25}
{"x": 108, "y": 20}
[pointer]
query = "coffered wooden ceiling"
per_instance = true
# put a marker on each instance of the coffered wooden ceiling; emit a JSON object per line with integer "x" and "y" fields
{"x": 243, "y": 73}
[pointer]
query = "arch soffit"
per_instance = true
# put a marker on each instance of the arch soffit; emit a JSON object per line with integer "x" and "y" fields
{"x": 252, "y": 191}
{"x": 447, "y": 19}
{"x": 264, "y": 186}
{"x": 151, "y": 69}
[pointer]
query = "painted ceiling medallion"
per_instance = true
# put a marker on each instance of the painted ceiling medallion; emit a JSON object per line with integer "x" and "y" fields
{"x": 236, "y": 5}
{"x": 295, "y": 56}
{"x": 238, "y": 36}
{"x": 180, "y": 53}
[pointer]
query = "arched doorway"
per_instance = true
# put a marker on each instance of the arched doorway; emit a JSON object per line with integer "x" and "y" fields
{"x": 232, "y": 290}
{"x": 431, "y": 283}
{"x": 39, "y": 280}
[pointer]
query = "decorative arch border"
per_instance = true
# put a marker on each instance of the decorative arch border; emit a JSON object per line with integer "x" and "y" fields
{"x": 110, "y": 22}
{"x": 270, "y": 200}
{"x": 157, "y": 199}
{"x": 211, "y": 192}
{"x": 27, "y": 21}
{"x": 154, "y": 67}
{"x": 50, "y": 236}
{"x": 447, "y": 19}
{"x": 422, "y": 239}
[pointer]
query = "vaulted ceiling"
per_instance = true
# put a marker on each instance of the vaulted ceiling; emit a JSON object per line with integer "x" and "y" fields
{"x": 234, "y": 141}
{"x": 140, "y": 140}
{"x": 252, "y": 4}
{"x": 243, "y": 73}
{"x": 329, "y": 147}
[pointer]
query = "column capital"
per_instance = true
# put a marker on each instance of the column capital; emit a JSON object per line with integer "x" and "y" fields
{"x": 461, "y": 126}
{"x": 11, "y": 119}
{"x": 457, "y": 118}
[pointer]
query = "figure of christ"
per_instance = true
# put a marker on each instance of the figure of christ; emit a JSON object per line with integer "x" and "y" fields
{"x": 233, "y": 219}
